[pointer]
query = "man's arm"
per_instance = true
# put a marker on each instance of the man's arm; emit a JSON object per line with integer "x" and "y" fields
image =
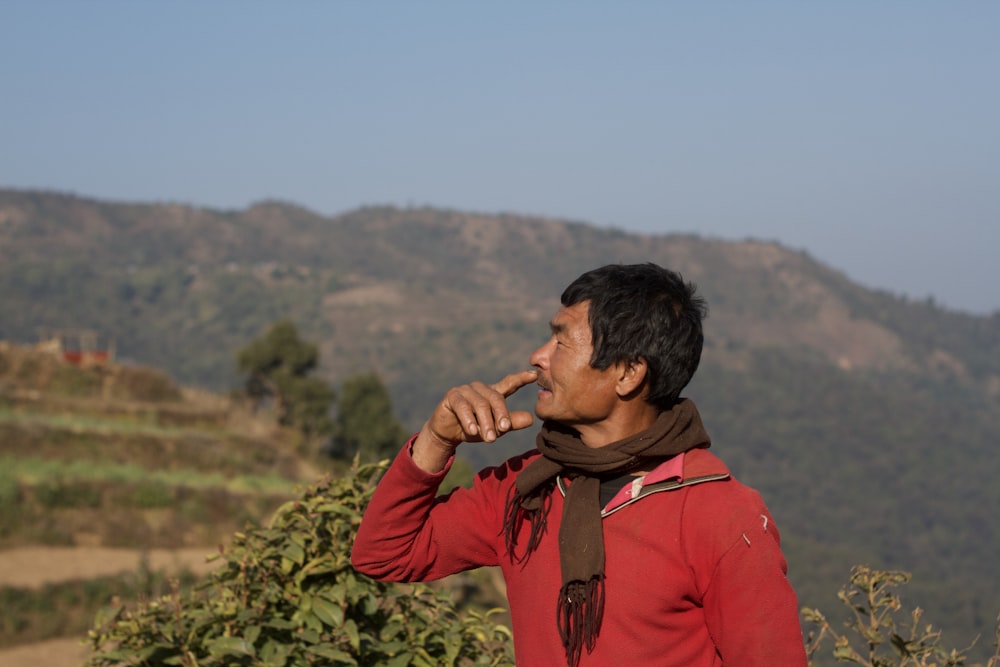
{"x": 407, "y": 533}
{"x": 750, "y": 608}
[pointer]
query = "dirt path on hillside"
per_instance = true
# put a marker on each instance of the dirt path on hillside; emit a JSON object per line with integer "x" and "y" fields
{"x": 32, "y": 567}
{"x": 53, "y": 653}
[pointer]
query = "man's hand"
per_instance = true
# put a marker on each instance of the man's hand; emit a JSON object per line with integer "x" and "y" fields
{"x": 474, "y": 412}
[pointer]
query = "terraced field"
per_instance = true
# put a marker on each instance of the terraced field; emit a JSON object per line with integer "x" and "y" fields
{"x": 112, "y": 482}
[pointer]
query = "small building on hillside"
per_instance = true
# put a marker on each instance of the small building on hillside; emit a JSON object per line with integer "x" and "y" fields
{"x": 80, "y": 347}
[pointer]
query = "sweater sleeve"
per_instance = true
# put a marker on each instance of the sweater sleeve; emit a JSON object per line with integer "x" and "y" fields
{"x": 750, "y": 608}
{"x": 408, "y": 533}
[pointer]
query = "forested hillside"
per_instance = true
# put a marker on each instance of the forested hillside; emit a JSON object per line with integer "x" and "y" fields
{"x": 868, "y": 421}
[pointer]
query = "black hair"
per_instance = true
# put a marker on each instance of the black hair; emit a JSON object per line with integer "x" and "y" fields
{"x": 643, "y": 311}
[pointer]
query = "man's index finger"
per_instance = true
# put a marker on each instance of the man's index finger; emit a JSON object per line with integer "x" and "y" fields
{"x": 511, "y": 383}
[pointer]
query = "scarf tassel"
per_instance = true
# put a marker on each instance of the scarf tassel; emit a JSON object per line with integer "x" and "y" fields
{"x": 580, "y": 612}
{"x": 515, "y": 512}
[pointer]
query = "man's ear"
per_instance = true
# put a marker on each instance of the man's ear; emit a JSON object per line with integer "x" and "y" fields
{"x": 631, "y": 378}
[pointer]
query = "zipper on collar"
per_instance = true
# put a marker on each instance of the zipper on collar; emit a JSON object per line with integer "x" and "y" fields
{"x": 667, "y": 485}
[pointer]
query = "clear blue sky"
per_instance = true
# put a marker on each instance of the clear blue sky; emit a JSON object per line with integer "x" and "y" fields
{"x": 867, "y": 133}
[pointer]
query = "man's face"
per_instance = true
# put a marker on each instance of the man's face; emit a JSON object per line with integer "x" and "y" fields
{"x": 571, "y": 391}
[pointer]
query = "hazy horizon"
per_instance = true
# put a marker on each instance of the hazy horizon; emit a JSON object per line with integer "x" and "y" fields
{"x": 864, "y": 134}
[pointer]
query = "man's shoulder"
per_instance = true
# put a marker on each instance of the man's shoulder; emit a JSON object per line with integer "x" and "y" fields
{"x": 510, "y": 468}
{"x": 700, "y": 462}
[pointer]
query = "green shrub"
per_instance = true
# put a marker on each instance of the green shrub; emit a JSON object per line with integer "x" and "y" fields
{"x": 10, "y": 501}
{"x": 142, "y": 383}
{"x": 150, "y": 494}
{"x": 74, "y": 381}
{"x": 10, "y": 492}
{"x": 287, "y": 595}
{"x": 28, "y": 370}
{"x": 56, "y": 493}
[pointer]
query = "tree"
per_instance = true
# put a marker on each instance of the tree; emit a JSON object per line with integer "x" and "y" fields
{"x": 288, "y": 595}
{"x": 365, "y": 424}
{"x": 278, "y": 367}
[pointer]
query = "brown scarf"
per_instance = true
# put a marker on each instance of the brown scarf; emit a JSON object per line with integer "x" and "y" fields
{"x": 581, "y": 536}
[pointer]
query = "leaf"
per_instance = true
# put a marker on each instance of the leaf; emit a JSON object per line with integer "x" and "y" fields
{"x": 422, "y": 659}
{"x": 294, "y": 553}
{"x": 351, "y": 629}
{"x": 222, "y": 646}
{"x": 309, "y": 636}
{"x": 401, "y": 660}
{"x": 275, "y": 652}
{"x": 328, "y": 612}
{"x": 251, "y": 634}
{"x": 334, "y": 508}
{"x": 330, "y": 653}
{"x": 280, "y": 624}
{"x": 393, "y": 648}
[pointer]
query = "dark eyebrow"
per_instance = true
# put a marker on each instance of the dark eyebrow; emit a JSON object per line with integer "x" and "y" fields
{"x": 557, "y": 328}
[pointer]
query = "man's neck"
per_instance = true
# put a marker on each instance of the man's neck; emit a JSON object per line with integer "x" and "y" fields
{"x": 629, "y": 420}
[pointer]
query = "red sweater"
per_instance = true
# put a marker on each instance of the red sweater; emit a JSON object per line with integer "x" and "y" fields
{"x": 694, "y": 573}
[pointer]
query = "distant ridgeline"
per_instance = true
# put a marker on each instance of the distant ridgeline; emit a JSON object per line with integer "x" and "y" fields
{"x": 868, "y": 421}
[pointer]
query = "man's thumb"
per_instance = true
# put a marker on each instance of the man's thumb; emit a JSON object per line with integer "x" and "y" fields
{"x": 520, "y": 419}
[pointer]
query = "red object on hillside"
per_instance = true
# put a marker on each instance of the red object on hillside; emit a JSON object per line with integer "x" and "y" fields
{"x": 86, "y": 357}
{"x": 79, "y": 348}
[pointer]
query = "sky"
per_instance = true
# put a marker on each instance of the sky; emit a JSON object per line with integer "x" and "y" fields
{"x": 865, "y": 133}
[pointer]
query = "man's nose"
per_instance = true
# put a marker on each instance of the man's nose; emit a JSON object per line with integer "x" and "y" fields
{"x": 540, "y": 357}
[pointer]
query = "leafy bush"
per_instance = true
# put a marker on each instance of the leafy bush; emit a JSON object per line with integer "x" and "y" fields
{"x": 74, "y": 381}
{"x": 150, "y": 494}
{"x": 10, "y": 491}
{"x": 53, "y": 493}
{"x": 876, "y": 637}
{"x": 142, "y": 383}
{"x": 287, "y": 595}
{"x": 10, "y": 500}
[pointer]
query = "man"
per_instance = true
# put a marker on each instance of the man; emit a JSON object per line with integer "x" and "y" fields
{"x": 623, "y": 541}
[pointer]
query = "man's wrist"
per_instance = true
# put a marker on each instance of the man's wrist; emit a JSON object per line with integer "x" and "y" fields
{"x": 431, "y": 452}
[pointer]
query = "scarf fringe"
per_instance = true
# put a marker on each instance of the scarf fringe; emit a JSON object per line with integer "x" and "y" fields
{"x": 580, "y": 612}
{"x": 515, "y": 512}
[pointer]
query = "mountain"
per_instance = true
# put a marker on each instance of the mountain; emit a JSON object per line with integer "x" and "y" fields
{"x": 865, "y": 419}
